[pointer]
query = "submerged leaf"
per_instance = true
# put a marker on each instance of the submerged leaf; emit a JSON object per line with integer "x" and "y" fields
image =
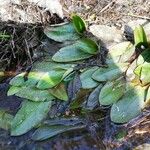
{"x": 61, "y": 32}
{"x": 129, "y": 106}
{"x": 86, "y": 78}
{"x": 5, "y": 120}
{"x": 113, "y": 71}
{"x": 59, "y": 92}
{"x": 28, "y": 116}
{"x": 51, "y": 79}
{"x": 112, "y": 91}
{"x": 34, "y": 94}
{"x": 46, "y": 132}
{"x": 93, "y": 98}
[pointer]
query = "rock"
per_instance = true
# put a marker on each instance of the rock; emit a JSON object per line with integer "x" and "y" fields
{"x": 107, "y": 34}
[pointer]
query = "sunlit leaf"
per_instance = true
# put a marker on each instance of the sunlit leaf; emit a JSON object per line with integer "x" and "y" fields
{"x": 145, "y": 75}
{"x": 140, "y": 36}
{"x": 113, "y": 71}
{"x": 119, "y": 49}
{"x": 5, "y": 120}
{"x": 34, "y": 94}
{"x": 28, "y": 116}
{"x": 78, "y": 23}
{"x": 51, "y": 79}
{"x": 61, "y": 32}
{"x": 46, "y": 132}
{"x": 86, "y": 78}
{"x": 112, "y": 91}
{"x": 32, "y": 79}
{"x": 59, "y": 92}
{"x": 13, "y": 90}
{"x": 129, "y": 106}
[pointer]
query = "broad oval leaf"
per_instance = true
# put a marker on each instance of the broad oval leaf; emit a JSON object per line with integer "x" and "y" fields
{"x": 61, "y": 32}
{"x": 28, "y": 116}
{"x": 86, "y": 78}
{"x": 119, "y": 49}
{"x": 129, "y": 106}
{"x": 70, "y": 53}
{"x": 87, "y": 45}
{"x": 82, "y": 49}
{"x": 59, "y": 92}
{"x": 34, "y": 94}
{"x": 31, "y": 81}
{"x": 78, "y": 23}
{"x": 51, "y": 79}
{"x": 112, "y": 91}
{"x": 113, "y": 71}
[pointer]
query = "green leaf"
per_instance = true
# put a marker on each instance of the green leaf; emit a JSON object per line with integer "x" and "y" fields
{"x": 46, "y": 132}
{"x": 86, "y": 78}
{"x": 129, "y": 106}
{"x": 59, "y": 92}
{"x": 140, "y": 36}
{"x": 47, "y": 65}
{"x": 32, "y": 79}
{"x": 51, "y": 79}
{"x": 34, "y": 94}
{"x": 78, "y": 23}
{"x": 113, "y": 71}
{"x": 144, "y": 57}
{"x": 61, "y": 32}
{"x": 112, "y": 92}
{"x": 119, "y": 49}
{"x": 82, "y": 49}
{"x": 13, "y": 90}
{"x": 87, "y": 45}
{"x": 145, "y": 75}
{"x": 93, "y": 98}
{"x": 5, "y": 119}
{"x": 29, "y": 116}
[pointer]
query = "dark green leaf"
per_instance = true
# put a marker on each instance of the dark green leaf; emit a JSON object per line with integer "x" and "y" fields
{"x": 46, "y": 132}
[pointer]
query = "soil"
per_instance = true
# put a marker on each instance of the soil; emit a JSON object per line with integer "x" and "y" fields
{"x": 25, "y": 48}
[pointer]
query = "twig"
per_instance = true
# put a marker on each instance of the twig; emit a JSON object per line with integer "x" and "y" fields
{"x": 107, "y": 6}
{"x": 138, "y": 16}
